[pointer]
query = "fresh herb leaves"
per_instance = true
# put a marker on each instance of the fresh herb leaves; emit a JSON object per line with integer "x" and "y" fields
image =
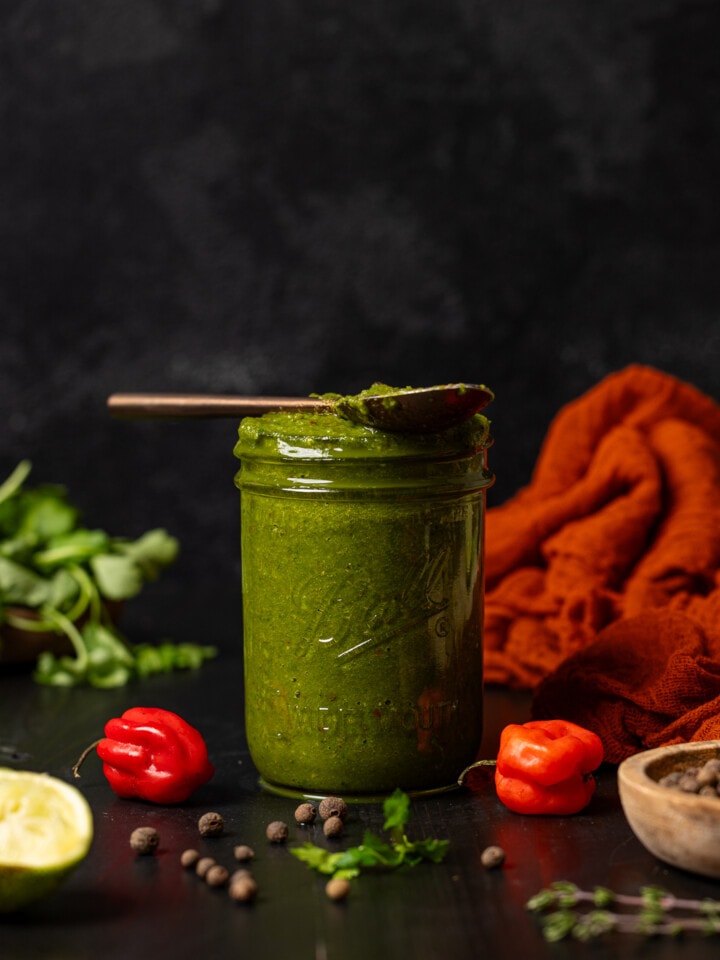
{"x": 374, "y": 852}
{"x": 58, "y": 577}
{"x": 567, "y": 911}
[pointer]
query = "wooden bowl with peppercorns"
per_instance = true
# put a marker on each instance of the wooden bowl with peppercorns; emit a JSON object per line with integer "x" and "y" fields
{"x": 671, "y": 798}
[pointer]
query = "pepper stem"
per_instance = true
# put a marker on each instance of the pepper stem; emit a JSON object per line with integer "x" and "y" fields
{"x": 478, "y": 763}
{"x": 81, "y": 759}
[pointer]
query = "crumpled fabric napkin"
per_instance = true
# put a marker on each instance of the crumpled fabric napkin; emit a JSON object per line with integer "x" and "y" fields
{"x": 603, "y": 574}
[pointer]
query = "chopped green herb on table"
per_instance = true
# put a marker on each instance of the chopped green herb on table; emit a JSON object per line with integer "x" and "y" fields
{"x": 375, "y": 852}
{"x": 61, "y": 579}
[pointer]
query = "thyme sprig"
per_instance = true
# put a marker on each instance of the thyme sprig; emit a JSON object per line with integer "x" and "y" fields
{"x": 566, "y": 911}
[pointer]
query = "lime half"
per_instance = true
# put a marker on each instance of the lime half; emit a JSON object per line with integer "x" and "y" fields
{"x": 46, "y": 828}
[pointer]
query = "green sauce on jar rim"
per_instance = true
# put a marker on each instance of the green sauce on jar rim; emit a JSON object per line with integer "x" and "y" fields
{"x": 327, "y": 435}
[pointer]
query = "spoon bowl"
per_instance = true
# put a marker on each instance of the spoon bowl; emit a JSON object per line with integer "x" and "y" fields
{"x": 416, "y": 410}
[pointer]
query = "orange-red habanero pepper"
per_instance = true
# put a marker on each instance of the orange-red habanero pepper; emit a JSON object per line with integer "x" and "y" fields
{"x": 153, "y": 754}
{"x": 545, "y": 766}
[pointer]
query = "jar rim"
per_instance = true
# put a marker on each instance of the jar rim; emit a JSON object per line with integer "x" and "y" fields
{"x": 326, "y": 436}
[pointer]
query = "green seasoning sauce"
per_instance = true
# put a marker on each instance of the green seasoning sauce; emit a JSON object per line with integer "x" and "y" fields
{"x": 362, "y": 602}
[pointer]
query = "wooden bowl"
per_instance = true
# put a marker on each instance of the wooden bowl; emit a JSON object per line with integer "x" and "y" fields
{"x": 25, "y": 646}
{"x": 682, "y": 829}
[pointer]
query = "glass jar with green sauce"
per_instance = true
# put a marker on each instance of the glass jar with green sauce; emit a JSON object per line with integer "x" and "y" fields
{"x": 362, "y": 579}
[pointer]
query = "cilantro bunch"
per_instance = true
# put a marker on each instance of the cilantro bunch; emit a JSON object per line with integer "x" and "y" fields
{"x": 374, "y": 852}
{"x": 59, "y": 577}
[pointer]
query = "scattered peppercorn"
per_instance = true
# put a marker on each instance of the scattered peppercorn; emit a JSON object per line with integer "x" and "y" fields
{"x": 211, "y": 825}
{"x": 144, "y": 840}
{"x": 492, "y": 857}
{"x": 217, "y": 876}
{"x": 337, "y": 888}
{"x": 305, "y": 813}
{"x": 333, "y": 807}
{"x": 203, "y": 865}
{"x": 277, "y": 831}
{"x": 243, "y": 852}
{"x": 239, "y": 874}
{"x": 243, "y": 889}
{"x": 333, "y": 827}
{"x": 189, "y": 858}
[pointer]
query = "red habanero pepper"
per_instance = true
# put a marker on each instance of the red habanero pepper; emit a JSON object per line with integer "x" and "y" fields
{"x": 545, "y": 766}
{"x": 153, "y": 754}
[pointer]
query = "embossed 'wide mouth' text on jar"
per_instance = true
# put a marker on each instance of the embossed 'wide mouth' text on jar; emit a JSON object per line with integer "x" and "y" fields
{"x": 362, "y": 579}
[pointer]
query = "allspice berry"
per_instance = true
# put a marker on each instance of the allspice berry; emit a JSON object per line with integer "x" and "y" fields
{"x": 305, "y": 813}
{"x": 243, "y": 852}
{"x": 277, "y": 831}
{"x": 211, "y": 825}
{"x": 203, "y": 865}
{"x": 337, "y": 888}
{"x": 189, "y": 858}
{"x": 333, "y": 827}
{"x": 333, "y": 807}
{"x": 492, "y": 857}
{"x": 217, "y": 876}
{"x": 243, "y": 889}
{"x": 144, "y": 840}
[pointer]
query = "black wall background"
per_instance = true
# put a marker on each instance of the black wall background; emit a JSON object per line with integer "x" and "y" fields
{"x": 283, "y": 197}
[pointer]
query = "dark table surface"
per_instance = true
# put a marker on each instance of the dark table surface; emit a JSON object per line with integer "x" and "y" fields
{"x": 120, "y": 905}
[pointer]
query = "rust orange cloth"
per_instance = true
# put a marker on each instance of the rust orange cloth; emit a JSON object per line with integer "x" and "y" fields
{"x": 603, "y": 574}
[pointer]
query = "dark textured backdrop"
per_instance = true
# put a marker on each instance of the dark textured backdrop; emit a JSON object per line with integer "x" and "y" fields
{"x": 276, "y": 196}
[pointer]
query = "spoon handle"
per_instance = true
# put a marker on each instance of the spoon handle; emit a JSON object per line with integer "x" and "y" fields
{"x": 152, "y": 406}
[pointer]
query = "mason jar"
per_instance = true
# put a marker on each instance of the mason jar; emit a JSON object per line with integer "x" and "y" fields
{"x": 362, "y": 583}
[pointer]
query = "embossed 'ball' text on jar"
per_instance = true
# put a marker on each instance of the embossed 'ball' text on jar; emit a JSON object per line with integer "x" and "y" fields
{"x": 362, "y": 579}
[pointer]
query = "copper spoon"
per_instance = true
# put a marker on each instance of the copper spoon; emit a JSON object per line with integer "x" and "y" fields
{"x": 420, "y": 410}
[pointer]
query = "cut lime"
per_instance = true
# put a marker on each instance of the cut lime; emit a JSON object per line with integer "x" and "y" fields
{"x": 46, "y": 828}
